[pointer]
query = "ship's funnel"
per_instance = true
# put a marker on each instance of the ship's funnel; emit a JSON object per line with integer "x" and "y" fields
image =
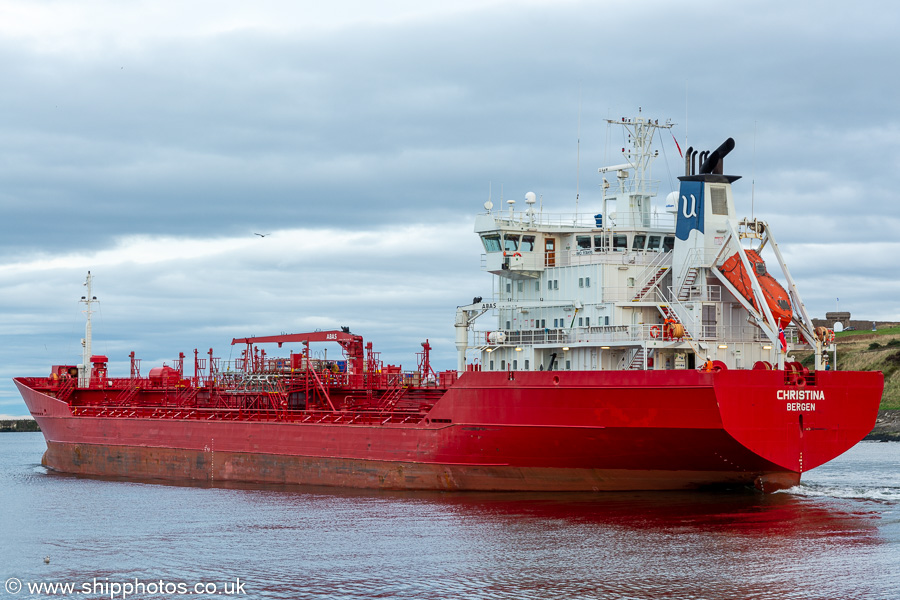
{"x": 713, "y": 163}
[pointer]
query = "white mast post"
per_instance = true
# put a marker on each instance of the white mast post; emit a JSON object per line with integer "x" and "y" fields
{"x": 84, "y": 368}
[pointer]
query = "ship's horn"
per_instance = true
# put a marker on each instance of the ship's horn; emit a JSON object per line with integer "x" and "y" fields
{"x": 713, "y": 163}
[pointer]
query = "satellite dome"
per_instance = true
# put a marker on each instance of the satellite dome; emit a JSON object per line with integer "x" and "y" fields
{"x": 672, "y": 202}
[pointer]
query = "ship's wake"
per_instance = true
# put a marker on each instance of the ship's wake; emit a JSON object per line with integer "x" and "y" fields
{"x": 890, "y": 494}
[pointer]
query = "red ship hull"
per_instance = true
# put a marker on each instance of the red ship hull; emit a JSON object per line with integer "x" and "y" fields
{"x": 552, "y": 431}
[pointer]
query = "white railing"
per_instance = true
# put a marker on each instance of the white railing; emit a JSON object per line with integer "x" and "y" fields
{"x": 606, "y": 256}
{"x": 584, "y": 220}
{"x": 685, "y": 316}
{"x": 652, "y": 269}
{"x": 711, "y": 293}
{"x": 537, "y": 261}
{"x": 622, "y": 334}
{"x": 693, "y": 261}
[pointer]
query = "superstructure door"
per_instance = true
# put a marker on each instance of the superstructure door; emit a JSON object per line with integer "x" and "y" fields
{"x": 549, "y": 252}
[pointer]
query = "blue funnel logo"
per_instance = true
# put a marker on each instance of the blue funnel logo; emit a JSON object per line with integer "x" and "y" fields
{"x": 690, "y": 209}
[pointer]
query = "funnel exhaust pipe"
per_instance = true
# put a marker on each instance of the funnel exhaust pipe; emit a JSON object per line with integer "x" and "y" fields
{"x": 714, "y": 162}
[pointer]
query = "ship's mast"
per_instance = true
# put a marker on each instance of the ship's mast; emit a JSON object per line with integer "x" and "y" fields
{"x": 634, "y": 190}
{"x": 89, "y": 299}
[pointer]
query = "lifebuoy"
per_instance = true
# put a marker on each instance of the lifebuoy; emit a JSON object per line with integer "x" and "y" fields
{"x": 654, "y": 331}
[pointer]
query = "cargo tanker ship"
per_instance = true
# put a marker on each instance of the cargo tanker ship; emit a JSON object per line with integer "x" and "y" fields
{"x": 629, "y": 349}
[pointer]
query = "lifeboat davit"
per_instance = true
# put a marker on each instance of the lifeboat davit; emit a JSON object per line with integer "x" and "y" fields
{"x": 777, "y": 299}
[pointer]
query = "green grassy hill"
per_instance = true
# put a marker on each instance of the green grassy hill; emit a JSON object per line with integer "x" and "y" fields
{"x": 871, "y": 351}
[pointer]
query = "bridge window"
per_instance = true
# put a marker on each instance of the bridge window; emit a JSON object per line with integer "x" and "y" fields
{"x": 583, "y": 242}
{"x": 599, "y": 243}
{"x": 654, "y": 242}
{"x": 491, "y": 242}
{"x": 527, "y": 243}
{"x": 668, "y": 243}
{"x": 620, "y": 243}
{"x": 510, "y": 242}
{"x": 639, "y": 240}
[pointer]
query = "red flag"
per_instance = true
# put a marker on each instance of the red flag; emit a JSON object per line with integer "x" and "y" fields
{"x": 677, "y": 146}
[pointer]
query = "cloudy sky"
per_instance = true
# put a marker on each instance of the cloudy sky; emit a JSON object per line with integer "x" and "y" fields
{"x": 148, "y": 141}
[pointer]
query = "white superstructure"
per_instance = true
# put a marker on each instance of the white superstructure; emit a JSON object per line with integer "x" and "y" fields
{"x": 632, "y": 286}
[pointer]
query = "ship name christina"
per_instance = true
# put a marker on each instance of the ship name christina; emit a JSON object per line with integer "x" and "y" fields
{"x": 801, "y": 395}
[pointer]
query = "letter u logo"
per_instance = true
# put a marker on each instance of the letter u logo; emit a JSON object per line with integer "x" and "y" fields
{"x": 684, "y": 210}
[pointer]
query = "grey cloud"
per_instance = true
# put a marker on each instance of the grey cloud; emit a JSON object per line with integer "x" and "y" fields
{"x": 382, "y": 123}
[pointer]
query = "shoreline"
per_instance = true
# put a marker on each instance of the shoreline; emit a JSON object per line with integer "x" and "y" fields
{"x": 18, "y": 425}
{"x": 887, "y": 426}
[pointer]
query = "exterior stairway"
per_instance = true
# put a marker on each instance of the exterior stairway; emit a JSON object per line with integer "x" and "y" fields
{"x": 392, "y": 396}
{"x": 668, "y": 313}
{"x": 186, "y": 396}
{"x": 684, "y": 292}
{"x": 128, "y": 394}
{"x": 651, "y": 283}
{"x": 637, "y": 360}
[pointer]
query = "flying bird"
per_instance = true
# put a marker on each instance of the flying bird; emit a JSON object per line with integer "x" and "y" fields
{"x": 261, "y": 234}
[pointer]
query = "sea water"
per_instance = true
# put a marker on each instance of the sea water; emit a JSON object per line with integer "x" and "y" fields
{"x": 837, "y": 535}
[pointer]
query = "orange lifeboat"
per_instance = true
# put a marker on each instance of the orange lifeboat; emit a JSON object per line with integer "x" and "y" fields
{"x": 777, "y": 299}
